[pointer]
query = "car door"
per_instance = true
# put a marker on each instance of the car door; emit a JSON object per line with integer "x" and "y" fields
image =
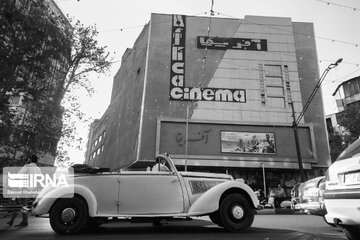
{"x": 106, "y": 191}
{"x": 150, "y": 193}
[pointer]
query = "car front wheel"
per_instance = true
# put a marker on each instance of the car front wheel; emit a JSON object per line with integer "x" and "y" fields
{"x": 236, "y": 214}
{"x": 351, "y": 232}
{"x": 69, "y": 215}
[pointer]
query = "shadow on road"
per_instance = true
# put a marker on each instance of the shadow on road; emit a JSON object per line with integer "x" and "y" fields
{"x": 195, "y": 229}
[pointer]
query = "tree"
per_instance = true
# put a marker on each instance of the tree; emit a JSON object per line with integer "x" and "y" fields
{"x": 350, "y": 120}
{"x": 86, "y": 58}
{"x": 337, "y": 145}
{"x": 46, "y": 59}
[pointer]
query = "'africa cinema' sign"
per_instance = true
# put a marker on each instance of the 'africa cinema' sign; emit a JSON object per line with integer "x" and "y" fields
{"x": 178, "y": 90}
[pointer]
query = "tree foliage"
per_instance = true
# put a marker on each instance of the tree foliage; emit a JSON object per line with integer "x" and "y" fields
{"x": 45, "y": 59}
{"x": 350, "y": 120}
{"x": 86, "y": 58}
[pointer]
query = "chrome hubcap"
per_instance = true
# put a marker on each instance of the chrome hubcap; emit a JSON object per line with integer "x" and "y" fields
{"x": 68, "y": 215}
{"x": 237, "y": 212}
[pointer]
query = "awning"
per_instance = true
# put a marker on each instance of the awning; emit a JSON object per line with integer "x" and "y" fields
{"x": 239, "y": 164}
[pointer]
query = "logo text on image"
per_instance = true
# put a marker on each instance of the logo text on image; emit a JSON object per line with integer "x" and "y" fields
{"x": 18, "y": 183}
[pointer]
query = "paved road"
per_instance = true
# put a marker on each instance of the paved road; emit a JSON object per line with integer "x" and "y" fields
{"x": 265, "y": 227}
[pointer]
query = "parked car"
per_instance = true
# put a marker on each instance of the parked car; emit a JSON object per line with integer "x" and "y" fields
{"x": 149, "y": 196}
{"x": 342, "y": 194}
{"x": 308, "y": 196}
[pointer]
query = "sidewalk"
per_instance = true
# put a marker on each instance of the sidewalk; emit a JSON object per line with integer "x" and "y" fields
{"x": 271, "y": 211}
{"x": 4, "y": 218}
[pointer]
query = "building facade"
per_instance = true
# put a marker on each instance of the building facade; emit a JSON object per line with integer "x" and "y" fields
{"x": 46, "y": 143}
{"x": 347, "y": 93}
{"x": 218, "y": 98}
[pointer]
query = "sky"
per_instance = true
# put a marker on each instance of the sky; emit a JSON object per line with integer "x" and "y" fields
{"x": 119, "y": 23}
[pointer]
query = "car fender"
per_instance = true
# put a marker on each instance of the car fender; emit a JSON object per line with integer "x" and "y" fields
{"x": 48, "y": 199}
{"x": 210, "y": 200}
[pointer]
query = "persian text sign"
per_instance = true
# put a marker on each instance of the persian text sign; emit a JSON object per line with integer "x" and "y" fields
{"x": 178, "y": 90}
{"x": 232, "y": 43}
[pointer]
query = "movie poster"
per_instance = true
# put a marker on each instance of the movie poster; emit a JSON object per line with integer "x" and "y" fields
{"x": 248, "y": 142}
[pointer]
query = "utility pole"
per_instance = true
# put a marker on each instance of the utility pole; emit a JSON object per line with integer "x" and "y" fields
{"x": 186, "y": 135}
{"x": 296, "y": 121}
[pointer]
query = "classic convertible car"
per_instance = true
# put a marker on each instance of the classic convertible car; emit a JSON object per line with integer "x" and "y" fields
{"x": 148, "y": 196}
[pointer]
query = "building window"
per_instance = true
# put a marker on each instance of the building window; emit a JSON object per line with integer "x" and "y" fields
{"x": 275, "y": 90}
{"x": 353, "y": 88}
{"x": 262, "y": 84}
{"x": 273, "y": 71}
{"x": 278, "y": 102}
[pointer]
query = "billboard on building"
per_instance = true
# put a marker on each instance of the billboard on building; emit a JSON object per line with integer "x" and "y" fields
{"x": 248, "y": 142}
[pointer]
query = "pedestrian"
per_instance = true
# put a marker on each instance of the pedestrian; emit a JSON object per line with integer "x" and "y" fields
{"x": 29, "y": 168}
{"x": 160, "y": 165}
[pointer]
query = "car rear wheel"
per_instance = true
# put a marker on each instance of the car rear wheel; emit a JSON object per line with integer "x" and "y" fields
{"x": 236, "y": 214}
{"x": 351, "y": 232}
{"x": 69, "y": 215}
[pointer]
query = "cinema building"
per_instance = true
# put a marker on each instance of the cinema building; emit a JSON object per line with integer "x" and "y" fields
{"x": 228, "y": 88}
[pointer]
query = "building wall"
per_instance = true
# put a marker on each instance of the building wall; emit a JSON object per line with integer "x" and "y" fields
{"x": 46, "y": 144}
{"x": 309, "y": 76}
{"x": 239, "y": 69}
{"x": 96, "y": 141}
{"x": 124, "y": 111}
{"x": 241, "y": 85}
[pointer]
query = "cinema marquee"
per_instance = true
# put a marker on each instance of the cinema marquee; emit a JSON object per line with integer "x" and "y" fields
{"x": 178, "y": 91}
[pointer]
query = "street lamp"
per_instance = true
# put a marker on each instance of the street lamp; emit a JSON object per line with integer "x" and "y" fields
{"x": 296, "y": 121}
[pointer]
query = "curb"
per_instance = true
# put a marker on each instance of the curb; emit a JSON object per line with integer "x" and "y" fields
{"x": 272, "y": 211}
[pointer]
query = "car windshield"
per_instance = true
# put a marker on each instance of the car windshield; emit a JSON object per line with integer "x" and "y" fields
{"x": 351, "y": 151}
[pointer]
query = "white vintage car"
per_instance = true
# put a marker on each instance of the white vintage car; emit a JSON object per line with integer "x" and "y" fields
{"x": 148, "y": 196}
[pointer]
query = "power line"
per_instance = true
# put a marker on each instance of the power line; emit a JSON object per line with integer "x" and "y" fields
{"x": 295, "y": 33}
{"x": 141, "y": 26}
{"x": 209, "y": 40}
{"x": 341, "y": 79}
{"x": 339, "y": 5}
{"x": 212, "y": 13}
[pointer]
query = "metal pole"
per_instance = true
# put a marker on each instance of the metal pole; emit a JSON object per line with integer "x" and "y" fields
{"x": 296, "y": 121}
{"x": 263, "y": 170}
{"x": 297, "y": 144}
{"x": 186, "y": 135}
